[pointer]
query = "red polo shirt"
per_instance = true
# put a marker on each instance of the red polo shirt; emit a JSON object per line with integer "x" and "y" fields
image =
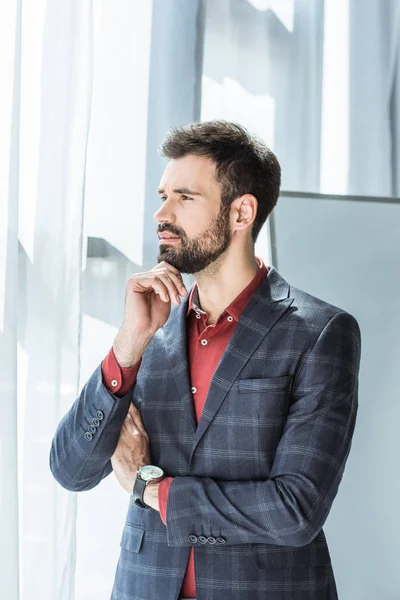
{"x": 206, "y": 345}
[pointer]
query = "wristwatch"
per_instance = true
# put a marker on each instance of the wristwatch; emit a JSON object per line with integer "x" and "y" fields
{"x": 145, "y": 475}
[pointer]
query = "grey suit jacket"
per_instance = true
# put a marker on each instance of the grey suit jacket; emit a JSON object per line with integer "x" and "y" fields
{"x": 255, "y": 480}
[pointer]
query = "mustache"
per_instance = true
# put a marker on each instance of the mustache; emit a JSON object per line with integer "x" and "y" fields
{"x": 170, "y": 229}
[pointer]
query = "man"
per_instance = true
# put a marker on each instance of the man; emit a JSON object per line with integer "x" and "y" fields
{"x": 226, "y": 412}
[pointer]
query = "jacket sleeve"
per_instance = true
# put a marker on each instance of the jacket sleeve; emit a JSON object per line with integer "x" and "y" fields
{"x": 77, "y": 461}
{"x": 291, "y": 506}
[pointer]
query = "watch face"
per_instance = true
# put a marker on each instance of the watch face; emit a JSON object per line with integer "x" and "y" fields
{"x": 149, "y": 472}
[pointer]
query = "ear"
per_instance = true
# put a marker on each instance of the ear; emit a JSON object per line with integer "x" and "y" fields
{"x": 244, "y": 211}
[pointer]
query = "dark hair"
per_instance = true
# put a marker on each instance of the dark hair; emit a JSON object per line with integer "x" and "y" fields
{"x": 244, "y": 164}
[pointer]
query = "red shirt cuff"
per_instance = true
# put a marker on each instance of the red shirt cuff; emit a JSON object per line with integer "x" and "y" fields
{"x": 118, "y": 380}
{"x": 163, "y": 491}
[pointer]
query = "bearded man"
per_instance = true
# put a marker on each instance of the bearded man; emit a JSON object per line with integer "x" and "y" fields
{"x": 225, "y": 411}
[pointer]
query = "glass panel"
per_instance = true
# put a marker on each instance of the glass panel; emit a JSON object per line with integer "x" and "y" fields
{"x": 317, "y": 80}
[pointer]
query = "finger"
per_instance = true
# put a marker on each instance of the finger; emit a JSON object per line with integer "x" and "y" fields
{"x": 132, "y": 410}
{"x": 130, "y": 413}
{"x": 128, "y": 431}
{"x": 174, "y": 273}
{"x": 165, "y": 265}
{"x": 137, "y": 421}
{"x": 128, "y": 424}
{"x": 160, "y": 288}
{"x": 173, "y": 291}
{"x": 130, "y": 419}
{"x": 135, "y": 430}
{"x": 177, "y": 281}
{"x": 134, "y": 414}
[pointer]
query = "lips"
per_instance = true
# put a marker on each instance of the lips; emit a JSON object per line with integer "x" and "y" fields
{"x": 167, "y": 235}
{"x": 169, "y": 240}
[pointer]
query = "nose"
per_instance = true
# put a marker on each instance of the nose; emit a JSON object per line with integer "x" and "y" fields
{"x": 165, "y": 214}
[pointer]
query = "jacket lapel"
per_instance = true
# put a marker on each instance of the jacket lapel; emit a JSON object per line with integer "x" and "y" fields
{"x": 264, "y": 309}
{"x": 175, "y": 340}
{"x": 269, "y": 302}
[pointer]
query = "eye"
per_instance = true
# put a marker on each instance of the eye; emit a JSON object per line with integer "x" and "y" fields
{"x": 183, "y": 197}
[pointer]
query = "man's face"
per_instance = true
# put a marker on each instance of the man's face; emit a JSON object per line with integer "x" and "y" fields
{"x": 190, "y": 211}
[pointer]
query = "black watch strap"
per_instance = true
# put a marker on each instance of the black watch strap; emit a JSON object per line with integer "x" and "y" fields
{"x": 138, "y": 491}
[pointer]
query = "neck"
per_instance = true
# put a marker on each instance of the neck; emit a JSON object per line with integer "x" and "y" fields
{"x": 222, "y": 282}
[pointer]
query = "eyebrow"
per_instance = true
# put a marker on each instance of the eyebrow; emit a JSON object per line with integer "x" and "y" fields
{"x": 183, "y": 190}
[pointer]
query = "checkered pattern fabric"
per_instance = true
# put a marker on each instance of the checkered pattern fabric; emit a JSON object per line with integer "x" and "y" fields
{"x": 261, "y": 470}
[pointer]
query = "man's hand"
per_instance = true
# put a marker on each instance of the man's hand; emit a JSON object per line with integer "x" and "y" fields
{"x": 132, "y": 451}
{"x": 148, "y": 301}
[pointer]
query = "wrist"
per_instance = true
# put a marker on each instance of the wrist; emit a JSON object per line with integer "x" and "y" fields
{"x": 129, "y": 349}
{"x": 150, "y": 496}
{"x": 145, "y": 488}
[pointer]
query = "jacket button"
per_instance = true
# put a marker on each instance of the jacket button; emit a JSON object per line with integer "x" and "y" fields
{"x": 202, "y": 539}
{"x": 100, "y": 415}
{"x": 220, "y": 540}
{"x": 192, "y": 539}
{"x": 211, "y": 540}
{"x": 88, "y": 436}
{"x": 96, "y": 422}
{"x": 92, "y": 429}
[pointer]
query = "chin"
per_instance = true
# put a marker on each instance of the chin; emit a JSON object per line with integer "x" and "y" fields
{"x": 173, "y": 261}
{"x": 168, "y": 257}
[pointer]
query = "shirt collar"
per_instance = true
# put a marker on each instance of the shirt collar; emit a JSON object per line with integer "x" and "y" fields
{"x": 237, "y": 306}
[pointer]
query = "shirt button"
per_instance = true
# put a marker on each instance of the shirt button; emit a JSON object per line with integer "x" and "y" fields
{"x": 204, "y": 342}
{"x": 230, "y": 319}
{"x": 114, "y": 383}
{"x": 198, "y": 316}
{"x": 194, "y": 390}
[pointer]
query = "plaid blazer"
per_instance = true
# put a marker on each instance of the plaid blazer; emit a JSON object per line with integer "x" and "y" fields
{"x": 255, "y": 480}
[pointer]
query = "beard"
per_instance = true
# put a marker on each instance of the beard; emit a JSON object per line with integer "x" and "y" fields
{"x": 192, "y": 255}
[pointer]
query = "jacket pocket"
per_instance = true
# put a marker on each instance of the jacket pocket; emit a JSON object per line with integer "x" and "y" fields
{"x": 268, "y": 383}
{"x": 132, "y": 537}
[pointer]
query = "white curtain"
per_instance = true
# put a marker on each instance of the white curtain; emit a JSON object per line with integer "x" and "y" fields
{"x": 10, "y": 50}
{"x": 43, "y": 170}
